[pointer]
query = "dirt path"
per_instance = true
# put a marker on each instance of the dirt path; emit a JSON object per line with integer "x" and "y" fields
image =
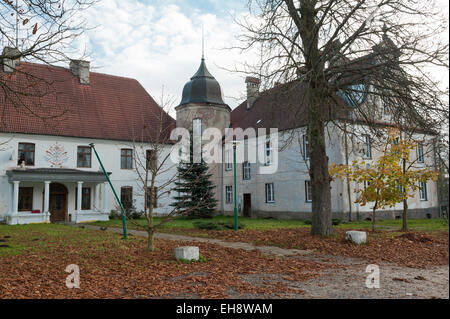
{"x": 347, "y": 282}
{"x": 395, "y": 282}
{"x": 268, "y": 250}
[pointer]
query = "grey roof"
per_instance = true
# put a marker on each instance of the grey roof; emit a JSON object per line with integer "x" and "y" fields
{"x": 55, "y": 175}
{"x": 202, "y": 88}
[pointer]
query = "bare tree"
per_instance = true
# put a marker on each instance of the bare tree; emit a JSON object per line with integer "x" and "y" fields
{"x": 41, "y": 31}
{"x": 157, "y": 173}
{"x": 441, "y": 155}
{"x": 371, "y": 54}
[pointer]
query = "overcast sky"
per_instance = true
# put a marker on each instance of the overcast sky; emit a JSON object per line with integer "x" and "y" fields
{"x": 159, "y": 43}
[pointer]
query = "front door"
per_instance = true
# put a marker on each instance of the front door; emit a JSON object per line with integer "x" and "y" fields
{"x": 58, "y": 203}
{"x": 247, "y": 205}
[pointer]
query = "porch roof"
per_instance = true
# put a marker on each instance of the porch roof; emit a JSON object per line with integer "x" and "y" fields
{"x": 55, "y": 175}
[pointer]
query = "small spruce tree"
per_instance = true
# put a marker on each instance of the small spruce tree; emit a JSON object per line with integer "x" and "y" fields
{"x": 195, "y": 191}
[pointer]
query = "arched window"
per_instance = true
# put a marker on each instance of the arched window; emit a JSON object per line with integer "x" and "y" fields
{"x": 197, "y": 126}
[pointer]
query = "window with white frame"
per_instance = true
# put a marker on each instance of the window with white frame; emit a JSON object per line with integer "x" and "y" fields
{"x": 423, "y": 193}
{"x": 268, "y": 153}
{"x": 308, "y": 191}
{"x": 367, "y": 147}
{"x": 270, "y": 193}
{"x": 229, "y": 194}
{"x": 400, "y": 188}
{"x": 420, "y": 153}
{"x": 386, "y": 110}
{"x": 305, "y": 147}
{"x": 246, "y": 170}
{"x": 228, "y": 160}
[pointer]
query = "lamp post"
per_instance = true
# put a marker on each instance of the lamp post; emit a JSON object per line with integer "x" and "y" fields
{"x": 235, "y": 190}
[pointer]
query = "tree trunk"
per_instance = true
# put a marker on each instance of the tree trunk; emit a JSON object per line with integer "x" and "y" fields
{"x": 150, "y": 240}
{"x": 405, "y": 203}
{"x": 404, "y": 217}
{"x": 317, "y": 115}
{"x": 373, "y": 219}
{"x": 320, "y": 179}
{"x": 374, "y": 215}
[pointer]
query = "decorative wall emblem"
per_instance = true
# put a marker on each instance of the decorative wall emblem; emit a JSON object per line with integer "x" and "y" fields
{"x": 56, "y": 155}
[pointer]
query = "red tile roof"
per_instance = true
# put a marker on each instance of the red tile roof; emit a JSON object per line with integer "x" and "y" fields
{"x": 270, "y": 110}
{"x": 282, "y": 107}
{"x": 110, "y": 107}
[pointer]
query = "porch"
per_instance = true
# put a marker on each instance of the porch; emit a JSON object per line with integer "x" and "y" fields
{"x": 43, "y": 195}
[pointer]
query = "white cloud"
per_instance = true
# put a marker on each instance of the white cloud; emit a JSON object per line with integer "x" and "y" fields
{"x": 160, "y": 45}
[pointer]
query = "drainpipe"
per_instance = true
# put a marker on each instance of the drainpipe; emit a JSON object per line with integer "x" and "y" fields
{"x": 437, "y": 167}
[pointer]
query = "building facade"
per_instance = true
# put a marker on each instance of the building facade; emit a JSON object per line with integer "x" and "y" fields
{"x": 48, "y": 169}
{"x": 49, "y": 172}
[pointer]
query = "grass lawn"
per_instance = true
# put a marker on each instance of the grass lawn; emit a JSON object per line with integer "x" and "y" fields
{"x": 427, "y": 225}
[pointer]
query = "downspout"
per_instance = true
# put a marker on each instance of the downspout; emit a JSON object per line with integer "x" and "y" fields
{"x": 437, "y": 167}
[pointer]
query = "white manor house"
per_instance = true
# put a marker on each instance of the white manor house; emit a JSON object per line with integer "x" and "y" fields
{"x": 49, "y": 173}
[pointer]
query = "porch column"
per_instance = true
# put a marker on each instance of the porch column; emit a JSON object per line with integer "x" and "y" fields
{"x": 79, "y": 200}
{"x": 15, "y": 204}
{"x": 46, "y": 201}
{"x": 94, "y": 198}
{"x": 105, "y": 197}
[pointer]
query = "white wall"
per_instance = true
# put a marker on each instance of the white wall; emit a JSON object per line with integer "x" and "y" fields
{"x": 289, "y": 179}
{"x": 109, "y": 152}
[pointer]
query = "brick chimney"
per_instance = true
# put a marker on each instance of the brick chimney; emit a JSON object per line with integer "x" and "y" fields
{"x": 10, "y": 59}
{"x": 252, "y": 90}
{"x": 80, "y": 68}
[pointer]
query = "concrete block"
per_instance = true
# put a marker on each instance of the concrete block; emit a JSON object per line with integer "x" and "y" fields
{"x": 187, "y": 252}
{"x": 358, "y": 237}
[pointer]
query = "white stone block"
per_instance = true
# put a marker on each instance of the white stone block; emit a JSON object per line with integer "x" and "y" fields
{"x": 358, "y": 237}
{"x": 187, "y": 252}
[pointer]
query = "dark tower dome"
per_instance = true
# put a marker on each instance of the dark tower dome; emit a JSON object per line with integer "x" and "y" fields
{"x": 202, "y": 88}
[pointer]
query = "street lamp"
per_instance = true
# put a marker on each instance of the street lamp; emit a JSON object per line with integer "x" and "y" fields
{"x": 235, "y": 191}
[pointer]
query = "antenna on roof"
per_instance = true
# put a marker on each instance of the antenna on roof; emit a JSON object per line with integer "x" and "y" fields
{"x": 203, "y": 43}
{"x": 17, "y": 25}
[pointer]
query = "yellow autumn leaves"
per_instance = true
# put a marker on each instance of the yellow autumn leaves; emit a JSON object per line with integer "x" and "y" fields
{"x": 390, "y": 179}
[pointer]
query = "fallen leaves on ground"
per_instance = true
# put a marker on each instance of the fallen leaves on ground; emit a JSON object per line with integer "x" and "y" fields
{"x": 413, "y": 249}
{"x": 111, "y": 267}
